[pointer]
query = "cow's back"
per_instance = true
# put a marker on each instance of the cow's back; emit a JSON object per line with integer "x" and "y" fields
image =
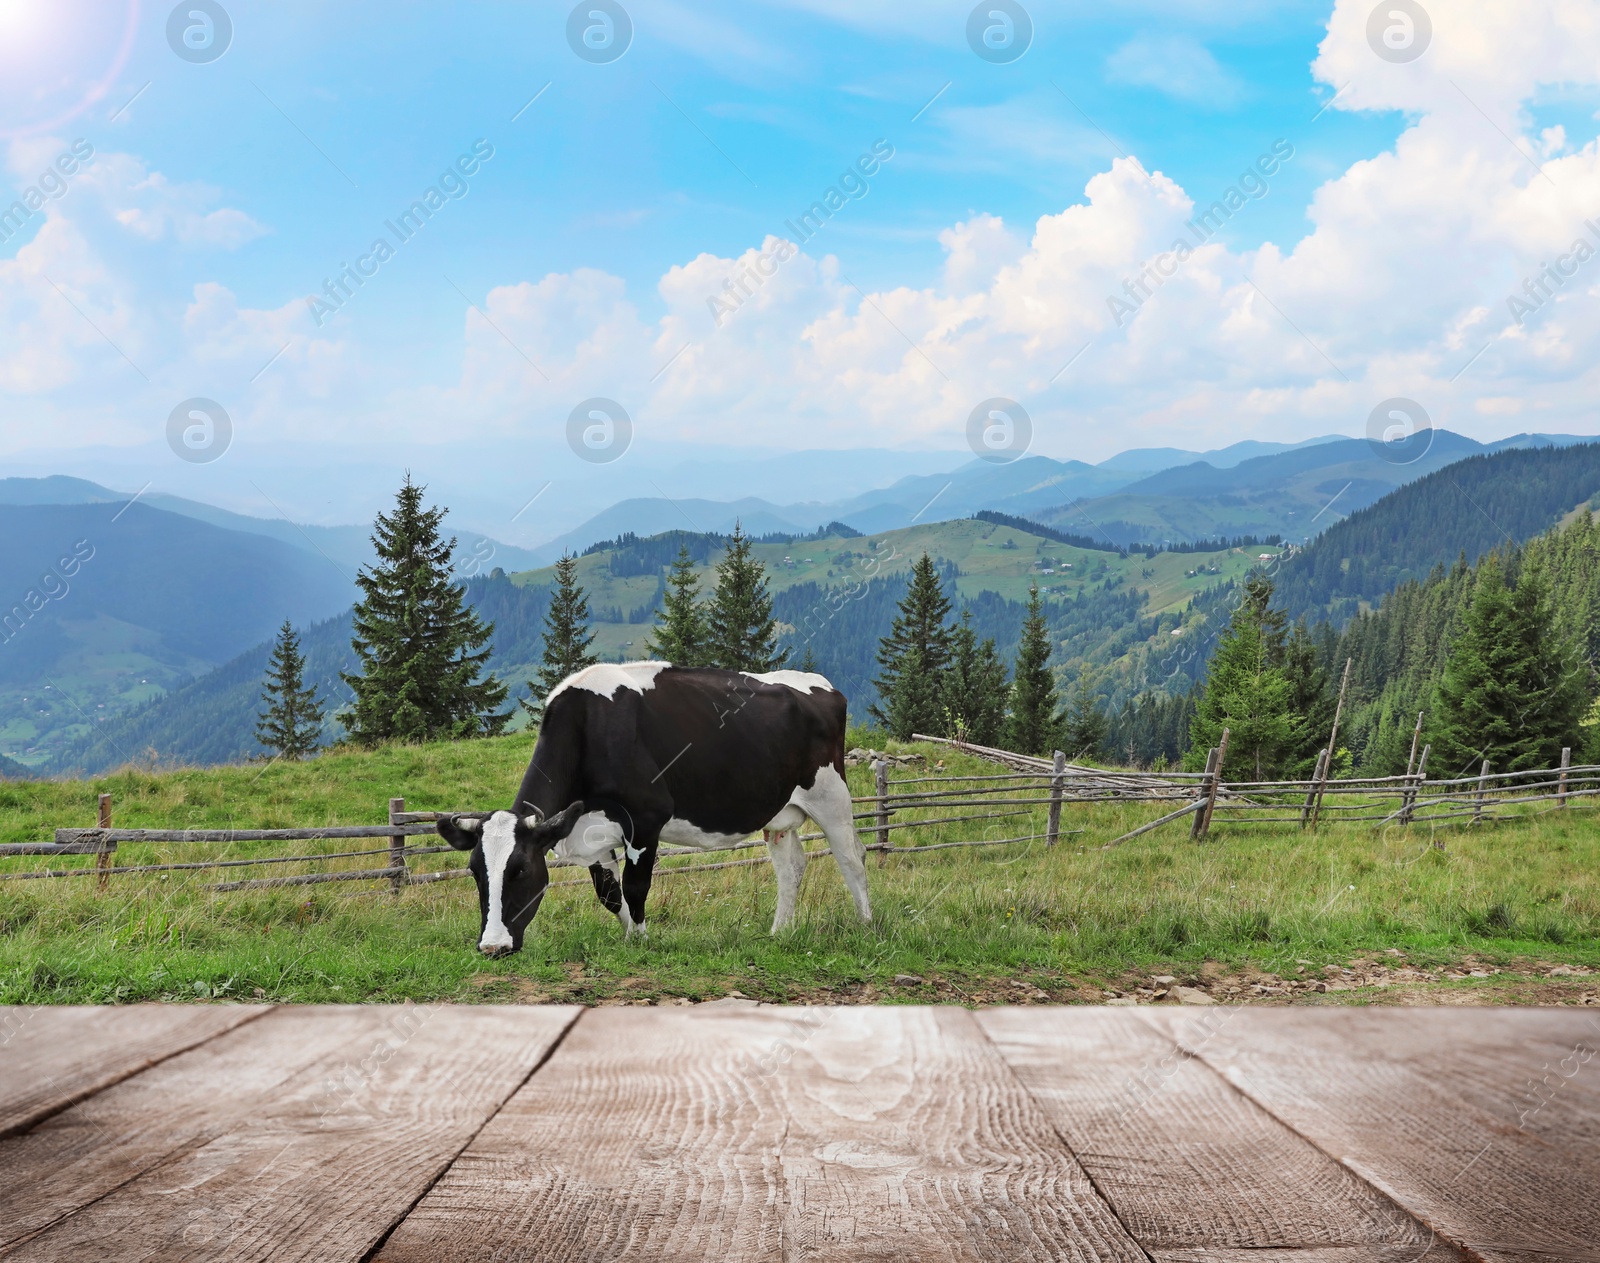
{"x": 729, "y": 747}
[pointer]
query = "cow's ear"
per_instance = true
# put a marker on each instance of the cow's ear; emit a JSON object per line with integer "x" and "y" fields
{"x": 460, "y": 832}
{"x": 552, "y": 830}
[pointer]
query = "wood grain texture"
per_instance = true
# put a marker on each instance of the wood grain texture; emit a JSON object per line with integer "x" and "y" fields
{"x": 346, "y": 1118}
{"x": 51, "y": 1057}
{"x": 184, "y": 1103}
{"x": 705, "y": 1134}
{"x": 1438, "y": 1109}
{"x": 1189, "y": 1164}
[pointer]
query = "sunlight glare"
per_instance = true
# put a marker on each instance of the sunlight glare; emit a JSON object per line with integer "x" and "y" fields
{"x": 19, "y": 18}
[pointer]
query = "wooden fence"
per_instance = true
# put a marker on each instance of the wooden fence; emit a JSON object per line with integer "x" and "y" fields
{"x": 1033, "y": 788}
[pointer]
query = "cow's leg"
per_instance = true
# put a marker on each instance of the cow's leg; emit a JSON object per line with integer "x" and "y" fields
{"x": 789, "y": 866}
{"x": 607, "y": 877}
{"x": 828, "y": 803}
{"x": 636, "y": 874}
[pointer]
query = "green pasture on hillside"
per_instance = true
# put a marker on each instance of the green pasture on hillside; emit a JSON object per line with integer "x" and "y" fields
{"x": 991, "y": 558}
{"x": 1066, "y": 921}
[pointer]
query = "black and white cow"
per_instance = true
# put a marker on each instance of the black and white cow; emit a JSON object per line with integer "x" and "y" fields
{"x": 631, "y": 755}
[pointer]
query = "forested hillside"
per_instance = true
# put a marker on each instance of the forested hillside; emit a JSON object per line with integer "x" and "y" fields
{"x": 1466, "y": 508}
{"x": 1399, "y": 651}
{"x": 212, "y": 719}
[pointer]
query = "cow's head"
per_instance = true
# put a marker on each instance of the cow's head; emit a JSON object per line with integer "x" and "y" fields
{"x": 508, "y": 865}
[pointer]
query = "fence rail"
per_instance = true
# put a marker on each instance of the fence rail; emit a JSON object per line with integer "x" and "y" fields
{"x": 1031, "y": 787}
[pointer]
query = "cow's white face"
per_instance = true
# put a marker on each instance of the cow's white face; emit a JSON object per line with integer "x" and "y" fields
{"x": 508, "y": 864}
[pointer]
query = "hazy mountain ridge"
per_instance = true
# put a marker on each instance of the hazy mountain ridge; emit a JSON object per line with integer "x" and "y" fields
{"x": 347, "y": 548}
{"x": 172, "y": 663}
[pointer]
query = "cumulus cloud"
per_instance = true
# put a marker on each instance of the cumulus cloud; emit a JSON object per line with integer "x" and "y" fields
{"x": 1401, "y": 286}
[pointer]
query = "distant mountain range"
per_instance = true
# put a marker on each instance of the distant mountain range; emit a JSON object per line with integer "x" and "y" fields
{"x": 347, "y": 548}
{"x": 1293, "y": 490}
{"x": 1026, "y": 487}
{"x": 1296, "y": 493}
{"x": 104, "y": 605}
{"x": 129, "y": 624}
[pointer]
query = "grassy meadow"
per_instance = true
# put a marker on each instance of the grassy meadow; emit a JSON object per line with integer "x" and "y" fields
{"x": 991, "y": 558}
{"x": 1254, "y": 911}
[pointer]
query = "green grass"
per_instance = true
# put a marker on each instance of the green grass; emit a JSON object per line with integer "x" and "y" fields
{"x": 1066, "y": 920}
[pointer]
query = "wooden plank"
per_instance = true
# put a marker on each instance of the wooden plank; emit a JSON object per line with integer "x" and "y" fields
{"x": 53, "y": 1056}
{"x": 306, "y": 1135}
{"x": 1192, "y": 1168}
{"x": 1439, "y": 1109}
{"x": 758, "y": 1133}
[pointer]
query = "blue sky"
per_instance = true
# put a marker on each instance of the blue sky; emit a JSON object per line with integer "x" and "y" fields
{"x": 1015, "y": 206}
{"x": 604, "y": 171}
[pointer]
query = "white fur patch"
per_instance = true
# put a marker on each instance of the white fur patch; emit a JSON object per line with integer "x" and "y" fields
{"x": 678, "y": 832}
{"x": 605, "y": 678}
{"x": 593, "y": 839}
{"x": 683, "y": 833}
{"x": 800, "y": 681}
{"x": 499, "y": 840}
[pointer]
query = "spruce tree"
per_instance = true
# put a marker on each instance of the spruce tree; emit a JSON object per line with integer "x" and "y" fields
{"x": 974, "y": 692}
{"x": 1513, "y": 690}
{"x": 1247, "y": 693}
{"x": 1033, "y": 725}
{"x": 567, "y": 635}
{"x": 292, "y": 721}
{"x": 1311, "y": 696}
{"x": 681, "y": 634}
{"x": 1084, "y": 730}
{"x": 921, "y": 625}
{"x": 421, "y": 648}
{"x": 915, "y": 700}
{"x": 741, "y": 632}
{"x": 808, "y": 662}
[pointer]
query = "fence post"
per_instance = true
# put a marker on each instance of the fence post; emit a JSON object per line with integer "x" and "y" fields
{"x": 1566, "y": 762}
{"x": 1205, "y": 788}
{"x": 1052, "y": 829}
{"x": 880, "y": 779}
{"x": 1333, "y": 745}
{"x": 102, "y": 859}
{"x": 1416, "y": 786}
{"x": 1215, "y": 787}
{"x": 1483, "y": 781}
{"x": 397, "y": 847}
{"x": 1311, "y": 794}
{"x": 1411, "y": 764}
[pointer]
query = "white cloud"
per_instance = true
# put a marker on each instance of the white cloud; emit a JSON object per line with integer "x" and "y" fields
{"x": 975, "y": 251}
{"x": 1401, "y": 282}
{"x": 1177, "y": 65}
{"x": 1399, "y": 285}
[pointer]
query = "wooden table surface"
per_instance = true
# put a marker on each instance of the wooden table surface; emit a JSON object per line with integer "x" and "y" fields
{"x": 731, "y": 1131}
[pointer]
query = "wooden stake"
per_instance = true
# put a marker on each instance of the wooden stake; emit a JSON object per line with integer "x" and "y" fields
{"x": 1416, "y": 787}
{"x": 1333, "y": 744}
{"x": 1311, "y": 794}
{"x": 397, "y": 848}
{"x": 1052, "y": 828}
{"x": 1483, "y": 780}
{"x": 1196, "y": 805}
{"x": 1566, "y": 762}
{"x": 1411, "y": 765}
{"x": 1215, "y": 785}
{"x": 880, "y": 777}
{"x": 1201, "y": 793}
{"x": 102, "y": 859}
{"x": 1416, "y": 738}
